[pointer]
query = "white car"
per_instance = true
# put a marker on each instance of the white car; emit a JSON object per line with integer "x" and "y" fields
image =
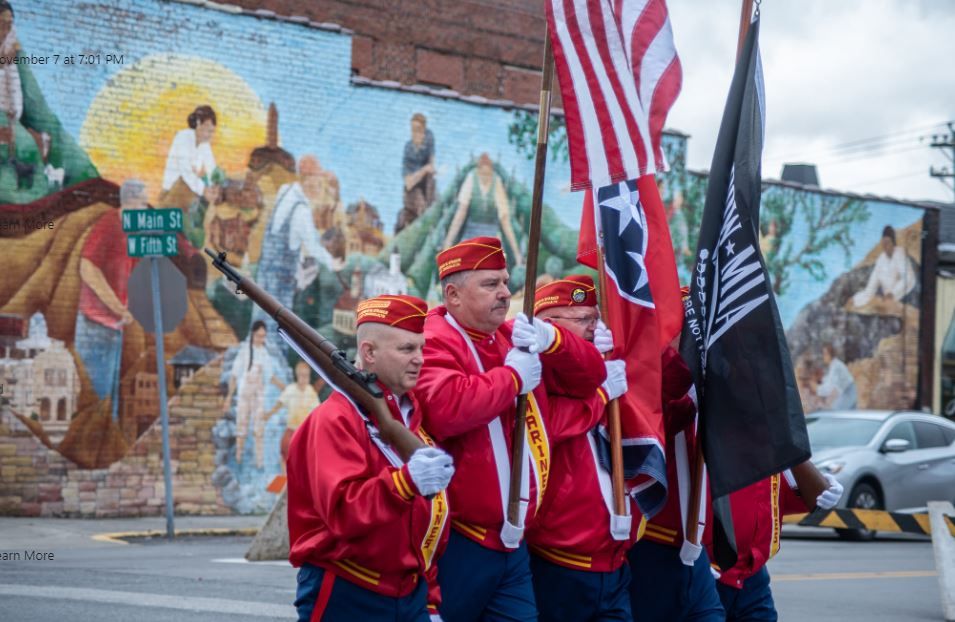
{"x": 887, "y": 460}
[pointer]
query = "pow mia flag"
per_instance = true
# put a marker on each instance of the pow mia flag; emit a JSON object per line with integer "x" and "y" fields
{"x": 733, "y": 341}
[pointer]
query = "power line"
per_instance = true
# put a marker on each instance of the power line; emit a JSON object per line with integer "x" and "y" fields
{"x": 885, "y": 179}
{"x": 864, "y": 144}
{"x": 868, "y": 156}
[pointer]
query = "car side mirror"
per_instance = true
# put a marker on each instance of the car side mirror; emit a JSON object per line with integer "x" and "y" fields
{"x": 896, "y": 445}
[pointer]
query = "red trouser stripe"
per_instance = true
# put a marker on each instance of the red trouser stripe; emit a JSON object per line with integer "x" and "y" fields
{"x": 324, "y": 594}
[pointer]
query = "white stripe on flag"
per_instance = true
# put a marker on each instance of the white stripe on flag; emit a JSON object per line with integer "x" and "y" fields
{"x": 593, "y": 141}
{"x": 628, "y": 154}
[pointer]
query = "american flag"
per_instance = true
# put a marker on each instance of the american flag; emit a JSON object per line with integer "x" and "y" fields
{"x": 619, "y": 75}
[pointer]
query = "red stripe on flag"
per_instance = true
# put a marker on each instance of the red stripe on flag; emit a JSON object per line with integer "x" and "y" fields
{"x": 645, "y": 29}
{"x": 661, "y": 265}
{"x": 595, "y": 11}
{"x": 579, "y": 164}
{"x": 612, "y": 149}
{"x": 587, "y": 242}
{"x": 665, "y": 93}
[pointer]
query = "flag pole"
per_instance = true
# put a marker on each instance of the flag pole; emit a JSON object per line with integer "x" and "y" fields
{"x": 530, "y": 273}
{"x": 613, "y": 408}
{"x": 699, "y": 466}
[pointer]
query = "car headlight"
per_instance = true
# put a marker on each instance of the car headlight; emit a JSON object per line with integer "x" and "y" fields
{"x": 832, "y": 466}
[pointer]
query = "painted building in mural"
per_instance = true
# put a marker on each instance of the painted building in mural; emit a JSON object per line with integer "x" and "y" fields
{"x": 326, "y": 188}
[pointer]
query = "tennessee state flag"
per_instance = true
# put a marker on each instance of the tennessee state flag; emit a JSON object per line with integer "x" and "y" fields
{"x": 644, "y": 310}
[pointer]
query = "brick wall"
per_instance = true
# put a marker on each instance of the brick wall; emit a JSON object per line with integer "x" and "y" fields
{"x": 491, "y": 48}
{"x": 37, "y": 481}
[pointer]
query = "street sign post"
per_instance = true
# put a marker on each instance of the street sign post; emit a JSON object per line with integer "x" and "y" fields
{"x": 154, "y": 236}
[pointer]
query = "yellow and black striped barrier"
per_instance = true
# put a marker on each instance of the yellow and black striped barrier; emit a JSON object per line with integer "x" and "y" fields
{"x": 873, "y": 520}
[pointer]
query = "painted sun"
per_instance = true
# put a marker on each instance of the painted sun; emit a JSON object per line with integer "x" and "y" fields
{"x": 133, "y": 119}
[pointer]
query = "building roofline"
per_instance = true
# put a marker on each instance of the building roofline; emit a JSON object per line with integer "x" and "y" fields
{"x": 267, "y": 14}
{"x": 932, "y": 205}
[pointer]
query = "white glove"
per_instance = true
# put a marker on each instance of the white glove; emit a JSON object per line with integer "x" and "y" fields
{"x": 435, "y": 617}
{"x": 828, "y": 498}
{"x": 603, "y": 338}
{"x": 527, "y": 366}
{"x": 716, "y": 573}
{"x": 431, "y": 470}
{"x": 616, "y": 383}
{"x": 533, "y": 336}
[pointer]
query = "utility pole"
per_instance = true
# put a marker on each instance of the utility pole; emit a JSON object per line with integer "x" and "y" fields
{"x": 940, "y": 141}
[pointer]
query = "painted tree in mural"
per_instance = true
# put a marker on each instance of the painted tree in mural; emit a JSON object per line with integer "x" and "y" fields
{"x": 827, "y": 221}
{"x": 37, "y": 156}
{"x": 522, "y": 133}
{"x": 421, "y": 241}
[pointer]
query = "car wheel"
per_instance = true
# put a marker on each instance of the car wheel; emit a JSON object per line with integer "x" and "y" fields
{"x": 865, "y": 497}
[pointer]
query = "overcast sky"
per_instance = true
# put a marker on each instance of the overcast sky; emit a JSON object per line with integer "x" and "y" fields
{"x": 838, "y": 74}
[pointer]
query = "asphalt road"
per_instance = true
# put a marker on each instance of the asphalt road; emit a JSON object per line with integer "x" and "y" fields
{"x": 815, "y": 577}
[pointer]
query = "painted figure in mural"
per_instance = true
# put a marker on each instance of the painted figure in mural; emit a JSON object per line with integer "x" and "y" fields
{"x": 11, "y": 94}
{"x": 104, "y": 271}
{"x": 251, "y": 369}
{"x": 417, "y": 167}
{"x": 838, "y": 387}
{"x": 365, "y": 528}
{"x": 300, "y": 398}
{"x": 475, "y": 367}
{"x": 189, "y": 180}
{"x": 292, "y": 247}
{"x": 190, "y": 156}
{"x": 892, "y": 277}
{"x": 483, "y": 209}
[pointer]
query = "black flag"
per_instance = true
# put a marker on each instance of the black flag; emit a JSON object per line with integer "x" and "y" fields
{"x": 733, "y": 341}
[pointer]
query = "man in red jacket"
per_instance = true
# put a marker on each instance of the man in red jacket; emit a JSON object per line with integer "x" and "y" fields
{"x": 672, "y": 579}
{"x": 578, "y": 545}
{"x": 474, "y": 370}
{"x": 365, "y": 528}
{"x": 758, "y": 512}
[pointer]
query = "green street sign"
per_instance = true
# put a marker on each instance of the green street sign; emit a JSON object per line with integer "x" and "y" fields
{"x": 145, "y": 245}
{"x": 140, "y": 220}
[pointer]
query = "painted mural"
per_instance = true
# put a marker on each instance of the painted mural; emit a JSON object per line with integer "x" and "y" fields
{"x": 326, "y": 191}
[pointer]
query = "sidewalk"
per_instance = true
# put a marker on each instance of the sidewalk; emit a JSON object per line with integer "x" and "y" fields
{"x": 75, "y": 533}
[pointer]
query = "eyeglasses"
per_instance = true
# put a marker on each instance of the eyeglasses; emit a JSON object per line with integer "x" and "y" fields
{"x": 582, "y": 321}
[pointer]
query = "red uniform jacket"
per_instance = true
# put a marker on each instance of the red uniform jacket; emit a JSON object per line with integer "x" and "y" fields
{"x": 679, "y": 415}
{"x": 758, "y": 512}
{"x": 573, "y": 526}
{"x": 461, "y": 401}
{"x": 353, "y": 513}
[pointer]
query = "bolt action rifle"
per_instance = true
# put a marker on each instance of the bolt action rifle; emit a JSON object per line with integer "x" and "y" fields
{"x": 327, "y": 360}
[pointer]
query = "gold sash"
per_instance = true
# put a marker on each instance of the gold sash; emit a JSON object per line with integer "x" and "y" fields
{"x": 439, "y": 517}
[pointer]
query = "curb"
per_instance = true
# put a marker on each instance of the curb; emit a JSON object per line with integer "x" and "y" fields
{"x": 121, "y": 537}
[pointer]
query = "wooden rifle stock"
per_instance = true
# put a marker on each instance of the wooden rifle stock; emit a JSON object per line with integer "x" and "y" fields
{"x": 331, "y": 361}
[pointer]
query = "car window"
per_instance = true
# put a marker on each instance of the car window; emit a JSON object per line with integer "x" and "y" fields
{"x": 825, "y": 432}
{"x": 929, "y": 435}
{"x": 905, "y": 431}
{"x": 949, "y": 435}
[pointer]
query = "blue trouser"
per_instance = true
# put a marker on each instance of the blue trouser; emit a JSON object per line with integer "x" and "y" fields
{"x": 565, "y": 595}
{"x": 752, "y": 603}
{"x": 343, "y": 601}
{"x": 478, "y": 583}
{"x": 101, "y": 350}
{"x": 663, "y": 588}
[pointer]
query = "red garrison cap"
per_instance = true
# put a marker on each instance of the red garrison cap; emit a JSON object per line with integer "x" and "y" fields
{"x": 484, "y": 253}
{"x": 400, "y": 311}
{"x": 576, "y": 290}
